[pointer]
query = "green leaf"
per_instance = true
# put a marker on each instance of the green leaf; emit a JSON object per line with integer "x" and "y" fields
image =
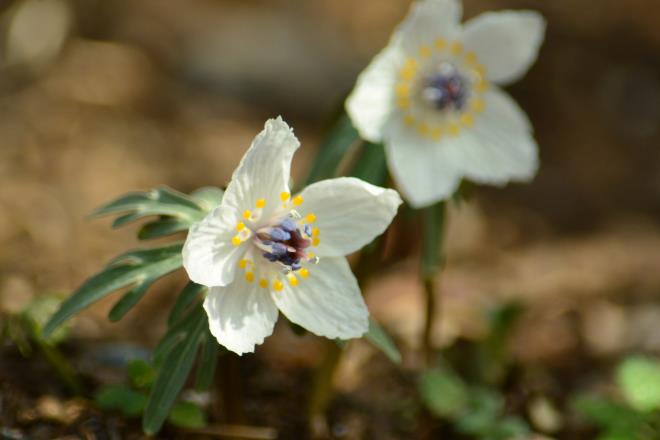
{"x": 162, "y": 228}
{"x": 141, "y": 373}
{"x": 185, "y": 299}
{"x": 639, "y": 379}
{"x": 371, "y": 165}
{"x": 484, "y": 408}
{"x": 334, "y": 148}
{"x": 381, "y": 340}
{"x": 130, "y": 269}
{"x": 171, "y": 377}
{"x": 608, "y": 414}
{"x": 208, "y": 197}
{"x": 129, "y": 299}
{"x": 187, "y": 415}
{"x": 176, "y": 332}
{"x": 37, "y": 313}
{"x": 433, "y": 232}
{"x": 207, "y": 363}
{"x": 158, "y": 201}
{"x": 121, "y": 398}
{"x": 443, "y": 393}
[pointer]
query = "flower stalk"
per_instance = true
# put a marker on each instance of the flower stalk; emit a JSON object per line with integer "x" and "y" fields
{"x": 433, "y": 219}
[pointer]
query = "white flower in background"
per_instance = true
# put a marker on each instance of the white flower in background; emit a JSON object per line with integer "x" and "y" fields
{"x": 264, "y": 249}
{"x": 431, "y": 97}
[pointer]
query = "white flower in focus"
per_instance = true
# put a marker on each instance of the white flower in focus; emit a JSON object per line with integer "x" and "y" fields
{"x": 264, "y": 249}
{"x": 432, "y": 97}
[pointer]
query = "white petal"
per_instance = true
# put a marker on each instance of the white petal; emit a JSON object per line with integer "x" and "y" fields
{"x": 370, "y": 102}
{"x": 264, "y": 170}
{"x": 349, "y": 212}
{"x": 240, "y": 315}
{"x": 422, "y": 168}
{"x": 209, "y": 256}
{"x": 500, "y": 146}
{"x": 327, "y": 303}
{"x": 427, "y": 21}
{"x": 506, "y": 43}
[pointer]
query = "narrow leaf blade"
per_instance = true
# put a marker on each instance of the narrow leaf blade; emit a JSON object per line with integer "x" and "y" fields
{"x": 381, "y": 340}
{"x": 340, "y": 139}
{"x": 207, "y": 363}
{"x": 170, "y": 380}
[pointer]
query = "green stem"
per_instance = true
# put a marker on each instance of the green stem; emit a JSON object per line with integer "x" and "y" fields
{"x": 59, "y": 363}
{"x": 433, "y": 219}
{"x": 322, "y": 389}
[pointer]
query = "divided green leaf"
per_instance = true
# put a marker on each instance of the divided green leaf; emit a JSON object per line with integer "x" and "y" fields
{"x": 161, "y": 201}
{"x": 136, "y": 268}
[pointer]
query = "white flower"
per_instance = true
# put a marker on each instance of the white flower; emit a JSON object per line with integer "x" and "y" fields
{"x": 431, "y": 97}
{"x": 263, "y": 249}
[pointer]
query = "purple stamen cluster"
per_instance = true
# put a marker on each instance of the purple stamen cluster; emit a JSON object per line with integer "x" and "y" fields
{"x": 286, "y": 244}
{"x": 446, "y": 90}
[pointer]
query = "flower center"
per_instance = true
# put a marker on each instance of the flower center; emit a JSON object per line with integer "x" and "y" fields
{"x": 283, "y": 243}
{"x": 438, "y": 91}
{"x": 445, "y": 90}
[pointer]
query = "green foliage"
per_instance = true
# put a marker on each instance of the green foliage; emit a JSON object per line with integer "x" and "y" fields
{"x": 443, "y": 393}
{"x": 371, "y": 165}
{"x": 434, "y": 225}
{"x": 138, "y": 269}
{"x": 141, "y": 373}
{"x": 187, "y": 415}
{"x": 208, "y": 363}
{"x": 121, "y": 398}
{"x": 638, "y": 417}
{"x": 171, "y": 377}
{"x": 381, "y": 340}
{"x": 473, "y": 410}
{"x": 161, "y": 201}
{"x": 337, "y": 143}
{"x": 639, "y": 380}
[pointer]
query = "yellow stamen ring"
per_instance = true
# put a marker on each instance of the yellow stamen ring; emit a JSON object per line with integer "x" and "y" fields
{"x": 249, "y": 277}
{"x": 303, "y": 272}
{"x": 292, "y": 279}
{"x": 284, "y": 196}
{"x": 297, "y": 200}
{"x": 277, "y": 285}
{"x": 261, "y": 203}
{"x": 236, "y": 240}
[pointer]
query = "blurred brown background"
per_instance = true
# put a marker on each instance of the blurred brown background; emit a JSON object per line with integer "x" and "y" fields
{"x": 102, "y": 97}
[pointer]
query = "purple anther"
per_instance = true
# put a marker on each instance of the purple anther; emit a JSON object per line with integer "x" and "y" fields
{"x": 308, "y": 230}
{"x": 296, "y": 266}
{"x": 270, "y": 257}
{"x": 277, "y": 234}
{"x": 278, "y": 249}
{"x": 446, "y": 89}
{"x": 288, "y": 225}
